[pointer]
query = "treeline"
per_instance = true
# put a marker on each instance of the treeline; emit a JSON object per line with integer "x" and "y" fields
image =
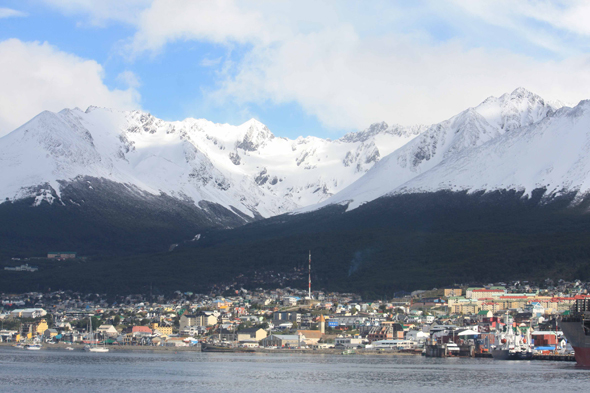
{"x": 398, "y": 243}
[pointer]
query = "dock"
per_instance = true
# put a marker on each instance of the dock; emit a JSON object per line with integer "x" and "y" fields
{"x": 555, "y": 358}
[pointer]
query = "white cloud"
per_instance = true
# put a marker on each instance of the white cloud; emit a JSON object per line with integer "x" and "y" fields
{"x": 571, "y": 15}
{"x": 352, "y": 82}
{"x": 206, "y": 62}
{"x": 99, "y": 12}
{"x": 129, "y": 78}
{"x": 37, "y": 76}
{"x": 219, "y": 21}
{"x": 10, "y": 13}
{"x": 351, "y": 64}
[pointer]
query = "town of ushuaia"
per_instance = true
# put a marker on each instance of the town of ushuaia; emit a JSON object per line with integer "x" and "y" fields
{"x": 237, "y": 196}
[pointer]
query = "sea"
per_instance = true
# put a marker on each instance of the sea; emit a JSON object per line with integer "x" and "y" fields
{"x": 162, "y": 371}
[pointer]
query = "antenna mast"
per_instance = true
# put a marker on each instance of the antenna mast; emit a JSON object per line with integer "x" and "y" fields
{"x": 309, "y": 289}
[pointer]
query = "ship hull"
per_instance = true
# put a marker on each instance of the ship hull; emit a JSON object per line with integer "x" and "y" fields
{"x": 574, "y": 332}
{"x": 505, "y": 354}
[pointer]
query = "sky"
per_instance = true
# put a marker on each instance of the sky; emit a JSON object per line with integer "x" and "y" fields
{"x": 321, "y": 68}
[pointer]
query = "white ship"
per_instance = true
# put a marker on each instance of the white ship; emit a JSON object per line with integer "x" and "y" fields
{"x": 511, "y": 345}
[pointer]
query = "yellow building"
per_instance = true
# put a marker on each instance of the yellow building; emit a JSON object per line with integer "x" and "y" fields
{"x": 164, "y": 330}
{"x": 466, "y": 308}
{"x": 40, "y": 327}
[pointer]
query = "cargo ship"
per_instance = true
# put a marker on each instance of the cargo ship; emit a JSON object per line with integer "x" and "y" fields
{"x": 576, "y": 328}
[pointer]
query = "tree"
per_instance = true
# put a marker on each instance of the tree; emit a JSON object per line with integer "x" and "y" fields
{"x": 95, "y": 323}
{"x": 117, "y": 320}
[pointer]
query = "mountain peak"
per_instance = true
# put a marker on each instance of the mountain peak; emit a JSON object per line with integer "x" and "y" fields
{"x": 522, "y": 92}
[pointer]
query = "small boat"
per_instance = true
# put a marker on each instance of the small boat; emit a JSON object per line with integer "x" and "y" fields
{"x": 94, "y": 347}
{"x": 33, "y": 347}
{"x": 69, "y": 348}
{"x": 98, "y": 349}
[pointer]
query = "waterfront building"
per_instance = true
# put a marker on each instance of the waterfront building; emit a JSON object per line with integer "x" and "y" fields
{"x": 255, "y": 334}
{"x": 282, "y": 340}
{"x": 311, "y": 336}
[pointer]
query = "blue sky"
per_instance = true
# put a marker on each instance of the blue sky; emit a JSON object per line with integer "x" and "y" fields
{"x": 302, "y": 68}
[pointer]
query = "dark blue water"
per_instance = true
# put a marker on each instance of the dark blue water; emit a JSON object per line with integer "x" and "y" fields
{"x": 61, "y": 371}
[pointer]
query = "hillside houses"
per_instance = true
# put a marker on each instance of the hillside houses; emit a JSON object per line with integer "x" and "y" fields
{"x": 251, "y": 317}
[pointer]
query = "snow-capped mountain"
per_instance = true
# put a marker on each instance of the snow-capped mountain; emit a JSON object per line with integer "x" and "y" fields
{"x": 245, "y": 169}
{"x": 424, "y": 164}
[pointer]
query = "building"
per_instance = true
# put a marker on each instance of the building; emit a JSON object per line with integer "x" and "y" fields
{"x": 163, "y": 330}
{"x": 28, "y": 313}
{"x": 311, "y": 336}
{"x": 61, "y": 255}
{"x": 286, "y": 316}
{"x": 384, "y": 332}
{"x": 201, "y": 319}
{"x": 107, "y": 330}
{"x": 349, "y": 342}
{"x": 487, "y": 293}
{"x": 141, "y": 330}
{"x": 282, "y": 340}
{"x": 484, "y": 314}
{"x": 453, "y": 292}
{"x": 252, "y": 334}
{"x": 322, "y": 321}
{"x": 50, "y": 333}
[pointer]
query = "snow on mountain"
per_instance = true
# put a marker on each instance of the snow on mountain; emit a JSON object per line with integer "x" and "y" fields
{"x": 552, "y": 154}
{"x": 244, "y": 168}
{"x": 447, "y": 141}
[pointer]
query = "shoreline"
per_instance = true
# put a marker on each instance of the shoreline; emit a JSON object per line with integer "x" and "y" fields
{"x": 140, "y": 348}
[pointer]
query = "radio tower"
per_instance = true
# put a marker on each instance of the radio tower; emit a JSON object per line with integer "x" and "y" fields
{"x": 309, "y": 274}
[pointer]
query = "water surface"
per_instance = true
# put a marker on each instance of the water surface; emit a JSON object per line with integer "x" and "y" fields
{"x": 61, "y": 371}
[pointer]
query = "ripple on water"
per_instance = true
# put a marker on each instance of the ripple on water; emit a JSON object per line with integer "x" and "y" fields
{"x": 56, "y": 371}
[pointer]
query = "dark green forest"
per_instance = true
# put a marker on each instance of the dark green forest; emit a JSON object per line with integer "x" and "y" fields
{"x": 404, "y": 242}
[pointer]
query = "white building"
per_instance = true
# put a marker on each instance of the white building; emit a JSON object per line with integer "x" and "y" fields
{"x": 28, "y": 313}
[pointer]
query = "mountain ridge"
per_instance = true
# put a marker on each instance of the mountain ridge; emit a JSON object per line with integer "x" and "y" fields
{"x": 474, "y": 127}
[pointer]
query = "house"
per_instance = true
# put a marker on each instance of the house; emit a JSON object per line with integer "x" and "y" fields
{"x": 311, "y": 336}
{"x": 282, "y": 340}
{"x": 417, "y": 336}
{"x": 535, "y": 309}
{"x": 255, "y": 334}
{"x": 139, "y": 330}
{"x": 107, "y": 330}
{"x": 50, "y": 333}
{"x": 483, "y": 314}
